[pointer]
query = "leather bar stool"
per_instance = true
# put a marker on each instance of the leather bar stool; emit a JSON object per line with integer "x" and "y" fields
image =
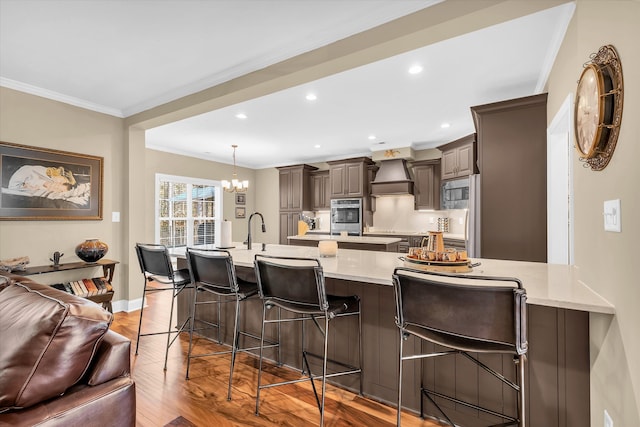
{"x": 212, "y": 272}
{"x": 156, "y": 266}
{"x": 465, "y": 313}
{"x": 297, "y": 285}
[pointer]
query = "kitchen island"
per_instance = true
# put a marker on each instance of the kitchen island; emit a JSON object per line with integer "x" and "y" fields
{"x": 557, "y": 374}
{"x": 364, "y": 243}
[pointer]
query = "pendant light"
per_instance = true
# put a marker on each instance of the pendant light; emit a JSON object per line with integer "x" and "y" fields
{"x": 235, "y": 186}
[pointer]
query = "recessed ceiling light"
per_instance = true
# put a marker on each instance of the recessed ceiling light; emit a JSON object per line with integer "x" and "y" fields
{"x": 372, "y": 137}
{"x": 415, "y": 69}
{"x": 311, "y": 97}
{"x": 445, "y": 125}
{"x": 316, "y": 146}
{"x": 241, "y": 116}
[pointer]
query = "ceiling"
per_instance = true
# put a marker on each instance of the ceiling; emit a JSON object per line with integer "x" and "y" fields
{"x": 125, "y": 57}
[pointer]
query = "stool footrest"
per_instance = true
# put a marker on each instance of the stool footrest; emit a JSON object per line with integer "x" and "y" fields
{"x": 428, "y": 393}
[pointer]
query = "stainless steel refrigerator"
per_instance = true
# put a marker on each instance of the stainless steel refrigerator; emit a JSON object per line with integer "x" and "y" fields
{"x": 473, "y": 218}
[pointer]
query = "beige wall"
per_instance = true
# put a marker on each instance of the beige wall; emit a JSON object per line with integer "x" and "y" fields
{"x": 606, "y": 260}
{"x": 35, "y": 121}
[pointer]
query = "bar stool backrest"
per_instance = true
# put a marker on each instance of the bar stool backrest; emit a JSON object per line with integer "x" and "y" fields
{"x": 212, "y": 267}
{"x": 291, "y": 280}
{"x": 462, "y": 312}
{"x": 154, "y": 260}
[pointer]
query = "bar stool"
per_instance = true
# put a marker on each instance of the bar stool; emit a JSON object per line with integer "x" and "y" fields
{"x": 297, "y": 285}
{"x": 465, "y": 313}
{"x": 212, "y": 272}
{"x": 156, "y": 266}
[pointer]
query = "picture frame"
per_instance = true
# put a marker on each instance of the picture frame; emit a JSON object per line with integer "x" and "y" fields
{"x": 241, "y": 199}
{"x": 241, "y": 212}
{"x": 45, "y": 184}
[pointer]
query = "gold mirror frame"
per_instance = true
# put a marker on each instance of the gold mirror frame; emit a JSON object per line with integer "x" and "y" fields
{"x": 607, "y": 62}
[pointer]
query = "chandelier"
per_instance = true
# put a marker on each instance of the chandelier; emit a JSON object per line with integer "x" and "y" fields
{"x": 235, "y": 186}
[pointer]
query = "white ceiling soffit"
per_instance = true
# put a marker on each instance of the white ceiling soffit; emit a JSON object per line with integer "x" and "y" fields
{"x": 123, "y": 57}
{"x": 501, "y": 62}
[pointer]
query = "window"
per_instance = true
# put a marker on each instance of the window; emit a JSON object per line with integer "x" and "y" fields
{"x": 186, "y": 210}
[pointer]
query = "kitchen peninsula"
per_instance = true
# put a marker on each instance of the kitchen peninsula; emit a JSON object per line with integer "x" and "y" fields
{"x": 559, "y": 304}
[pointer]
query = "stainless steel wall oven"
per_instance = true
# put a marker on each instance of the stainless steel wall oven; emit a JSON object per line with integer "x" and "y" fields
{"x": 346, "y": 215}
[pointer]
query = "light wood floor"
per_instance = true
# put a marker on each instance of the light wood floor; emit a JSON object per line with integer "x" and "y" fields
{"x": 167, "y": 398}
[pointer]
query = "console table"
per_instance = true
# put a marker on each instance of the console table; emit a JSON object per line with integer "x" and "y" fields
{"x": 108, "y": 268}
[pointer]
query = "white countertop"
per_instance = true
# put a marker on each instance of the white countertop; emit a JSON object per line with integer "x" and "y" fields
{"x": 350, "y": 239}
{"x": 546, "y": 284}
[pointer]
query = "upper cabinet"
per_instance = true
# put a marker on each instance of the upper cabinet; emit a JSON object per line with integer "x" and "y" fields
{"x": 459, "y": 158}
{"x": 295, "y": 186}
{"x": 320, "y": 190}
{"x": 426, "y": 177}
{"x": 350, "y": 177}
{"x": 512, "y": 160}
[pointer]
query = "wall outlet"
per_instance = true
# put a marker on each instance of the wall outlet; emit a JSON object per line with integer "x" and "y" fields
{"x": 612, "y": 215}
{"x": 608, "y": 422}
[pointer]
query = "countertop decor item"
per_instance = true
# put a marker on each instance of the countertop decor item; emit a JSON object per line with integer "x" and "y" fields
{"x": 327, "y": 248}
{"x": 443, "y": 224}
{"x": 436, "y": 242}
{"x": 91, "y": 250}
{"x": 56, "y": 258}
{"x": 14, "y": 264}
{"x": 598, "y": 108}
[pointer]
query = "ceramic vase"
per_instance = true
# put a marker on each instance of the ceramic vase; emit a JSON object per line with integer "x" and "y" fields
{"x": 91, "y": 250}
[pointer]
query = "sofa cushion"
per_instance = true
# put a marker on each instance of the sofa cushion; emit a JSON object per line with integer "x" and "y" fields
{"x": 48, "y": 340}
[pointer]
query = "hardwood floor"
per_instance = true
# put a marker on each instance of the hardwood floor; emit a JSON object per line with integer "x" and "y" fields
{"x": 167, "y": 398}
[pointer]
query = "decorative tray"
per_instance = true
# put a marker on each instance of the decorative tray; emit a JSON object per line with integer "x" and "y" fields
{"x": 429, "y": 262}
{"x": 445, "y": 266}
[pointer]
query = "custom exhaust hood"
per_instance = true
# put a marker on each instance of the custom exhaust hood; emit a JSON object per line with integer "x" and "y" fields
{"x": 392, "y": 179}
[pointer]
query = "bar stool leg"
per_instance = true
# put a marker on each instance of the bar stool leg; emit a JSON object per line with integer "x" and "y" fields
{"x": 144, "y": 293}
{"x": 219, "y": 298}
{"x": 302, "y": 360}
{"x": 264, "y": 308}
{"x": 324, "y": 368}
{"x": 191, "y": 326}
{"x": 400, "y": 345}
{"x": 234, "y": 345}
{"x": 360, "y": 349}
{"x": 278, "y": 334}
{"x": 166, "y": 352}
{"x": 523, "y": 419}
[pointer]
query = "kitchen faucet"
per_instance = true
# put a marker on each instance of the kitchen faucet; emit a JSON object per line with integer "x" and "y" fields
{"x": 264, "y": 229}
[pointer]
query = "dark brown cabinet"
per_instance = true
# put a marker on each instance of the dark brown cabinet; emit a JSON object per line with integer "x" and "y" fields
{"x": 295, "y": 187}
{"x": 295, "y": 197}
{"x": 426, "y": 177}
{"x": 512, "y": 159}
{"x": 288, "y": 225}
{"x": 349, "y": 178}
{"x": 320, "y": 190}
{"x": 459, "y": 158}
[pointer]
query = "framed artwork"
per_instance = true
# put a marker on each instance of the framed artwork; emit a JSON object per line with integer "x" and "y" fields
{"x": 241, "y": 199}
{"x": 241, "y": 212}
{"x": 44, "y": 184}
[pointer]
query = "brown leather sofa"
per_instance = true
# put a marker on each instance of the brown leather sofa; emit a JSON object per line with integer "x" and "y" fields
{"x": 60, "y": 364}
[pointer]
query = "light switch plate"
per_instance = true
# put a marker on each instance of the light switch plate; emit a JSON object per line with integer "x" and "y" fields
{"x": 612, "y": 215}
{"x": 115, "y": 216}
